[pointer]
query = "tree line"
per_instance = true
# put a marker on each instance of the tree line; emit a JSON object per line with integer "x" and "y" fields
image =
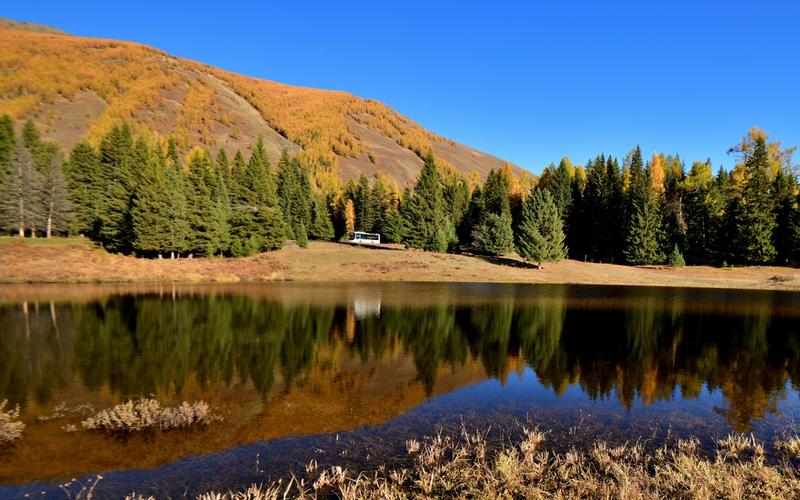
{"x": 138, "y": 195}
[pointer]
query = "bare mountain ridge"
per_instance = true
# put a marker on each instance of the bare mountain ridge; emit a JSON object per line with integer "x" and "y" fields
{"x": 75, "y": 87}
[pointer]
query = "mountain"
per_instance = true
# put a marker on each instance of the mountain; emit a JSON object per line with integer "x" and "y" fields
{"x": 75, "y": 87}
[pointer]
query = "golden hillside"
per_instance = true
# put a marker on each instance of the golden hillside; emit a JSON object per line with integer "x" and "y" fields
{"x": 76, "y": 87}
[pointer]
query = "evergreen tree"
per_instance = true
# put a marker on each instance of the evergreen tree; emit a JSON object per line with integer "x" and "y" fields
{"x": 119, "y": 178}
{"x": 540, "y": 234}
{"x": 784, "y": 189}
{"x": 644, "y": 221}
{"x": 20, "y": 193}
{"x": 380, "y": 199}
{"x": 456, "y": 196}
{"x": 363, "y": 205}
{"x": 256, "y": 221}
{"x": 427, "y": 225}
{"x": 302, "y": 236}
{"x": 495, "y": 236}
{"x": 7, "y": 140}
{"x": 473, "y": 218}
{"x": 223, "y": 166}
{"x": 255, "y": 185}
{"x": 150, "y": 210}
{"x": 758, "y": 219}
{"x": 676, "y": 258}
{"x": 578, "y": 226}
{"x": 699, "y": 212}
{"x": 55, "y": 198}
{"x": 199, "y": 185}
{"x": 294, "y": 193}
{"x": 560, "y": 187}
{"x": 321, "y": 224}
{"x": 86, "y": 188}
{"x": 392, "y": 225}
{"x": 496, "y": 192}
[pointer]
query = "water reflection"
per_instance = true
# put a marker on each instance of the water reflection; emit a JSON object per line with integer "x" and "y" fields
{"x": 631, "y": 344}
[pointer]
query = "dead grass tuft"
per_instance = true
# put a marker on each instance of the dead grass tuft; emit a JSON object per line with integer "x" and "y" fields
{"x": 450, "y": 467}
{"x": 10, "y": 427}
{"x": 148, "y": 414}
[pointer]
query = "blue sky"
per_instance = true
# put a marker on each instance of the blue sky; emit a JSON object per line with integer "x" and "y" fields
{"x": 527, "y": 81}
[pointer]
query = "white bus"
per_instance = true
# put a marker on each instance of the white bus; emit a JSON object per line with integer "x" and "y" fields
{"x": 362, "y": 238}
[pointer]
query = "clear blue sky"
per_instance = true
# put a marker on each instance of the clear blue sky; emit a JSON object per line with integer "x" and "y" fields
{"x": 527, "y": 81}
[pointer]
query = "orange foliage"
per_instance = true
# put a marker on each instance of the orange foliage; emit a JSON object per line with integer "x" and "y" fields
{"x": 657, "y": 174}
{"x": 37, "y": 68}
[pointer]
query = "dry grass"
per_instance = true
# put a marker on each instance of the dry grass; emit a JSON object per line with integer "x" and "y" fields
{"x": 148, "y": 414}
{"x": 10, "y": 427}
{"x": 445, "y": 467}
{"x": 78, "y": 261}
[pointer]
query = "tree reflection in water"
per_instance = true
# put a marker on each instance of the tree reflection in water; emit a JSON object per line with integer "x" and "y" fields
{"x": 633, "y": 344}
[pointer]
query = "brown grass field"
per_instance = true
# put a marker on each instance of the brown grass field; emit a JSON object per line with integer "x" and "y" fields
{"x": 64, "y": 260}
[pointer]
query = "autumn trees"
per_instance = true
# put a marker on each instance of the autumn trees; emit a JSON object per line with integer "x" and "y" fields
{"x": 140, "y": 195}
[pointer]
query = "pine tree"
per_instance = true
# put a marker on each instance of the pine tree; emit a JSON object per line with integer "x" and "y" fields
{"x": 7, "y": 140}
{"x": 676, "y": 258}
{"x": 392, "y": 226}
{"x": 758, "y": 219}
{"x": 149, "y": 210}
{"x": 255, "y": 185}
{"x": 540, "y": 236}
{"x": 20, "y": 193}
{"x": 496, "y": 192}
{"x": 119, "y": 178}
{"x": 207, "y": 215}
{"x": 294, "y": 193}
{"x": 578, "y": 227}
{"x": 321, "y": 224}
{"x": 223, "y": 166}
{"x": 643, "y": 233}
{"x": 784, "y": 189}
{"x": 495, "y": 235}
{"x": 302, "y": 236}
{"x": 427, "y": 225}
{"x": 473, "y": 218}
{"x": 86, "y": 188}
{"x": 560, "y": 186}
{"x": 56, "y": 198}
{"x": 256, "y": 220}
{"x": 364, "y": 205}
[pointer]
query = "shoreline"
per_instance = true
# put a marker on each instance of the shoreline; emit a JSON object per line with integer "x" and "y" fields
{"x": 76, "y": 261}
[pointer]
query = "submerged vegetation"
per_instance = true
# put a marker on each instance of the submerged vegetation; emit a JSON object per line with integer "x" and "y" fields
{"x": 10, "y": 427}
{"x": 148, "y": 414}
{"x": 467, "y": 467}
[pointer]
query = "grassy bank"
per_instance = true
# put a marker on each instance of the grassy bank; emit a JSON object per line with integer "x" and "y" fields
{"x": 466, "y": 467}
{"x": 78, "y": 261}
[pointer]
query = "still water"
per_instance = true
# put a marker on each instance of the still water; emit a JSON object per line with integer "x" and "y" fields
{"x": 344, "y": 374}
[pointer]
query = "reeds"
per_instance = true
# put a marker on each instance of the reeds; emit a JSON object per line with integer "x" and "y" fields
{"x": 148, "y": 414}
{"x": 464, "y": 468}
{"x": 10, "y": 427}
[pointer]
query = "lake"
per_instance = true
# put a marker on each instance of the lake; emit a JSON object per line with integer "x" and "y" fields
{"x": 345, "y": 373}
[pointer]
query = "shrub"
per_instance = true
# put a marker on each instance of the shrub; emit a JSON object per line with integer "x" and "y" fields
{"x": 146, "y": 414}
{"x": 10, "y": 428}
{"x": 676, "y": 258}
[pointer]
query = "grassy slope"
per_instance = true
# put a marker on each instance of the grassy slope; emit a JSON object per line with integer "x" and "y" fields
{"x": 77, "y": 87}
{"x": 75, "y": 260}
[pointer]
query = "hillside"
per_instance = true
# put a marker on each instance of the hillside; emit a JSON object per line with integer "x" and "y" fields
{"x": 76, "y": 87}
